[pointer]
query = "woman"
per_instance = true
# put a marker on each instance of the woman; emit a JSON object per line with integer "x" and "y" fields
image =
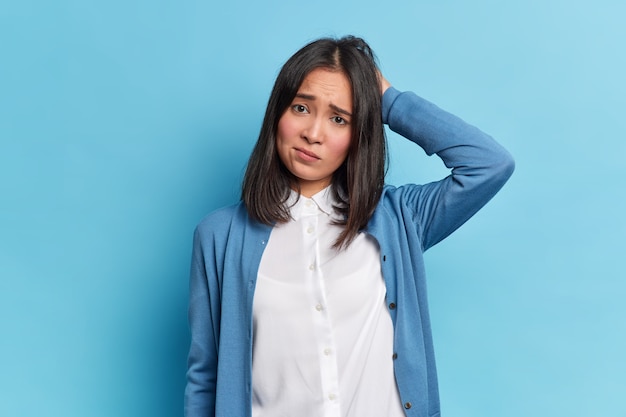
{"x": 308, "y": 298}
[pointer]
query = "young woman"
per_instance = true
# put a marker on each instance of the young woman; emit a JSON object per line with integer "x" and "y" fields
{"x": 308, "y": 298}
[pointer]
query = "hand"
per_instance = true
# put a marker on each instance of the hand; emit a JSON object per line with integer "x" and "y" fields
{"x": 384, "y": 84}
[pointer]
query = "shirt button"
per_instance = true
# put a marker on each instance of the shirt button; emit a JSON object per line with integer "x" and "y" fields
{"x": 319, "y": 307}
{"x": 332, "y": 397}
{"x": 326, "y": 351}
{"x": 394, "y": 356}
{"x": 407, "y": 405}
{"x": 308, "y": 203}
{"x": 312, "y": 267}
{"x": 310, "y": 230}
{"x": 392, "y": 306}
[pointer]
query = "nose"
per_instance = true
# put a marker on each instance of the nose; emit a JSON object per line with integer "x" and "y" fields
{"x": 314, "y": 131}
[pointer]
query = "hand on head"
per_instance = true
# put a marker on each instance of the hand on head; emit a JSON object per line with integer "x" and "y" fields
{"x": 384, "y": 84}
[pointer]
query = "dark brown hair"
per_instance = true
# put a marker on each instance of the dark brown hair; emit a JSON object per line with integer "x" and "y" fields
{"x": 357, "y": 184}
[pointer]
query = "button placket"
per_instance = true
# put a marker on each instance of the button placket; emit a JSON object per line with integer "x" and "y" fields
{"x": 323, "y": 327}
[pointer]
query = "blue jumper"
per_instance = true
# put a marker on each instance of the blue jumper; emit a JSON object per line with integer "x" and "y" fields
{"x": 408, "y": 220}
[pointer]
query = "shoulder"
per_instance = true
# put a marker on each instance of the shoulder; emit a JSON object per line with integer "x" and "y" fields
{"x": 222, "y": 220}
{"x": 401, "y": 202}
{"x": 230, "y": 223}
{"x": 396, "y": 202}
{"x": 393, "y": 194}
{"x": 394, "y": 217}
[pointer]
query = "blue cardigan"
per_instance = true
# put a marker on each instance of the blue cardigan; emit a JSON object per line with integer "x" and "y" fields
{"x": 408, "y": 220}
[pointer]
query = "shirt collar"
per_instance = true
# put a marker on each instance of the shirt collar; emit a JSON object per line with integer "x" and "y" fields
{"x": 323, "y": 201}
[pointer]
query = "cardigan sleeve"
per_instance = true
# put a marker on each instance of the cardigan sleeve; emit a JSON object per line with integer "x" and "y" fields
{"x": 200, "y": 392}
{"x": 479, "y": 165}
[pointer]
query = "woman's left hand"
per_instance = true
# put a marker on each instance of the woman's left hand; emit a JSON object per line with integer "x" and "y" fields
{"x": 384, "y": 84}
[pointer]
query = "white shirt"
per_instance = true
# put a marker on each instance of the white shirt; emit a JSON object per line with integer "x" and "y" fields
{"x": 323, "y": 337}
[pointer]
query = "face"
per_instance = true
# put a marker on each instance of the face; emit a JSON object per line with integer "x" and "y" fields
{"x": 314, "y": 133}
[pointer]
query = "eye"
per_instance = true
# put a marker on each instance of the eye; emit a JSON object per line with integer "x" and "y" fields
{"x": 339, "y": 120}
{"x": 299, "y": 108}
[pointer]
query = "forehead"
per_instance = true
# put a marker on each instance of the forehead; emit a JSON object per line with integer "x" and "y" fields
{"x": 327, "y": 84}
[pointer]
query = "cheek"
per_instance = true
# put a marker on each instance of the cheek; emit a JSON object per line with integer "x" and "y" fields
{"x": 342, "y": 147}
{"x": 285, "y": 129}
{"x": 282, "y": 140}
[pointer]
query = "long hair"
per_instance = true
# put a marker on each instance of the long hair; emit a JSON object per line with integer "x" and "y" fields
{"x": 357, "y": 184}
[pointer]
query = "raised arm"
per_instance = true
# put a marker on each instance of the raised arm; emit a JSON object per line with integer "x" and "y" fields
{"x": 479, "y": 165}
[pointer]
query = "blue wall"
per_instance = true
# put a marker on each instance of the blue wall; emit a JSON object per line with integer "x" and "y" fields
{"x": 123, "y": 122}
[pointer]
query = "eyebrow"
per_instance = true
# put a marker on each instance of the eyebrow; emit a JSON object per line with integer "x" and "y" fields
{"x": 332, "y": 106}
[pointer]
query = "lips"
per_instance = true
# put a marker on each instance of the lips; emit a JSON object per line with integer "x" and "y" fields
{"x": 306, "y": 155}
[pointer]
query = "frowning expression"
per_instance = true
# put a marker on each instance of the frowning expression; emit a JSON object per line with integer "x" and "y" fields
{"x": 314, "y": 133}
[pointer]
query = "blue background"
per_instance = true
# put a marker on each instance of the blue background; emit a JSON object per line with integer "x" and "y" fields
{"x": 123, "y": 122}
